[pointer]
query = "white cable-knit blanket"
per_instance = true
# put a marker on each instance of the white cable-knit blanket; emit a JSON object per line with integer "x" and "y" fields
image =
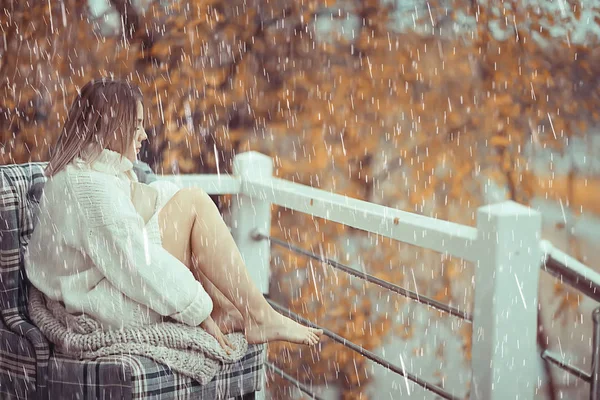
{"x": 186, "y": 349}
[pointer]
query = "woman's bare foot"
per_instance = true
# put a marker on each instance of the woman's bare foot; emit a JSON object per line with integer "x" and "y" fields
{"x": 228, "y": 320}
{"x": 278, "y": 327}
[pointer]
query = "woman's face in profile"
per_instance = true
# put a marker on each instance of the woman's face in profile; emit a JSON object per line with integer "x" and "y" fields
{"x": 139, "y": 136}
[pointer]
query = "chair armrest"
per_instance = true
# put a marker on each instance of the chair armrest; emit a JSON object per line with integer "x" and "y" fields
{"x": 27, "y": 330}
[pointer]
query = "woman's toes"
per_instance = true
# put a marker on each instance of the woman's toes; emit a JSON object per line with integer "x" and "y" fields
{"x": 312, "y": 339}
{"x": 308, "y": 339}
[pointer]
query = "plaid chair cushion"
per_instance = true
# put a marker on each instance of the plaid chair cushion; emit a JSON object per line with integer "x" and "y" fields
{"x": 28, "y": 366}
{"x": 137, "y": 377}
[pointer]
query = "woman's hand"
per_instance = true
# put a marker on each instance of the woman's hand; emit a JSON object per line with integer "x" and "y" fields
{"x": 213, "y": 329}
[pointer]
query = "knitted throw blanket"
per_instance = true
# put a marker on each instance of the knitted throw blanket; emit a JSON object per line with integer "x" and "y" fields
{"x": 186, "y": 349}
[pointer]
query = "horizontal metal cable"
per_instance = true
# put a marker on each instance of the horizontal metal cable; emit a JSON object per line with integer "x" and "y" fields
{"x": 546, "y": 355}
{"x": 290, "y": 378}
{"x": 256, "y": 235}
{"x": 370, "y": 355}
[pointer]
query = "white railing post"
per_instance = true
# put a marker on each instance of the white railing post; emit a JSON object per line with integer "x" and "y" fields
{"x": 251, "y": 212}
{"x": 507, "y": 269}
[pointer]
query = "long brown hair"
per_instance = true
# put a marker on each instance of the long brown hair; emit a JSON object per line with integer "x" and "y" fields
{"x": 103, "y": 115}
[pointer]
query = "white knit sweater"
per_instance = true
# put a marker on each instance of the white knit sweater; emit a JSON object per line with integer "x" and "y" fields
{"x": 91, "y": 250}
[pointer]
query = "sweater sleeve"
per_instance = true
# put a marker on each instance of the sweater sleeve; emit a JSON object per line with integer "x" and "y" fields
{"x": 116, "y": 242}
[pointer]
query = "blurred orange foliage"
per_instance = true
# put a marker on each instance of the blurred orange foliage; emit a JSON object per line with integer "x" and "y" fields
{"x": 412, "y": 118}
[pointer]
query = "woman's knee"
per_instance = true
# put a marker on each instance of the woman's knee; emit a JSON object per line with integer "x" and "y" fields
{"x": 179, "y": 211}
{"x": 195, "y": 198}
{"x": 190, "y": 194}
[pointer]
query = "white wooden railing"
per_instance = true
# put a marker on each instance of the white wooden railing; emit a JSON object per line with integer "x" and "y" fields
{"x": 505, "y": 248}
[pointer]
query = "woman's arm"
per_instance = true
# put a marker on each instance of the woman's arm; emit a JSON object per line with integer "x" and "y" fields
{"x": 113, "y": 237}
{"x": 147, "y": 273}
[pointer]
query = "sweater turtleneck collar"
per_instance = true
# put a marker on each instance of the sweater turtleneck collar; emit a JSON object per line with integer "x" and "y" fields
{"x": 108, "y": 161}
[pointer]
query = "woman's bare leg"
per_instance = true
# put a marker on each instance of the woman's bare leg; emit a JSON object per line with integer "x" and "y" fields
{"x": 227, "y": 317}
{"x": 177, "y": 242}
{"x": 192, "y": 213}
